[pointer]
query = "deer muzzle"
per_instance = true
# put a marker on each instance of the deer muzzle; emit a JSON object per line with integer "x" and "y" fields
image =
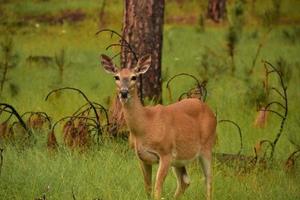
{"x": 124, "y": 93}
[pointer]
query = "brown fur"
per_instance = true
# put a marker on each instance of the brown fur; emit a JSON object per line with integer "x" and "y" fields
{"x": 169, "y": 135}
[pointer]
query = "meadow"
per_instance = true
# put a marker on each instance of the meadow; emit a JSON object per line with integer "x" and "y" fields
{"x": 109, "y": 170}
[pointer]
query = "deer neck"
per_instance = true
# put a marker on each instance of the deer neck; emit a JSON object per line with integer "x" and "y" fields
{"x": 134, "y": 114}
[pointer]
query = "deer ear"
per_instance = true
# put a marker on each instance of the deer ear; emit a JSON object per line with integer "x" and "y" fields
{"x": 143, "y": 65}
{"x": 108, "y": 64}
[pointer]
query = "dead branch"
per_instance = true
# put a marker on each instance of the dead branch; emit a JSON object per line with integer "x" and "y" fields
{"x": 239, "y": 131}
{"x": 258, "y": 147}
{"x": 42, "y": 115}
{"x": 275, "y": 102}
{"x": 275, "y": 112}
{"x": 7, "y": 111}
{"x": 98, "y": 106}
{"x": 284, "y": 96}
{"x": 199, "y": 85}
{"x": 17, "y": 115}
{"x": 290, "y": 162}
{"x": 72, "y": 118}
{"x": 277, "y": 91}
{"x": 258, "y": 50}
{"x": 1, "y": 159}
{"x": 86, "y": 98}
{"x": 123, "y": 42}
{"x": 115, "y": 45}
{"x": 240, "y": 162}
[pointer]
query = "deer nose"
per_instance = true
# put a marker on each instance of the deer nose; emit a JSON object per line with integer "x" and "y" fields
{"x": 124, "y": 93}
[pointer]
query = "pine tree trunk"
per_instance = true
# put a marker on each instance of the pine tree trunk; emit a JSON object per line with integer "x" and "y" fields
{"x": 142, "y": 29}
{"x": 216, "y": 9}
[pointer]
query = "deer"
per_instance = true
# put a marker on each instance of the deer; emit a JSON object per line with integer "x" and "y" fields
{"x": 171, "y": 136}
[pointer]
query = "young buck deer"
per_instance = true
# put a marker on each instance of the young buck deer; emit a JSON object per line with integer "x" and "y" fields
{"x": 169, "y": 135}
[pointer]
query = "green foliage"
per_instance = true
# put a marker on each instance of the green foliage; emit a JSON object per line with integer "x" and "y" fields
{"x": 61, "y": 63}
{"x": 237, "y": 15}
{"x": 291, "y": 35}
{"x": 285, "y": 69}
{"x": 112, "y": 172}
{"x": 272, "y": 15}
{"x": 256, "y": 95}
{"x": 237, "y": 22}
{"x": 201, "y": 23}
{"x": 14, "y": 89}
{"x": 211, "y": 66}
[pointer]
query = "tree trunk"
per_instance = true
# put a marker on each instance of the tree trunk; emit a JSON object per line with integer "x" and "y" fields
{"x": 102, "y": 14}
{"x": 216, "y": 9}
{"x": 142, "y": 29}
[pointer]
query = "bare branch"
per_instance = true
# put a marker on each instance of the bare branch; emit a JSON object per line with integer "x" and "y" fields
{"x": 127, "y": 45}
{"x": 84, "y": 96}
{"x": 13, "y": 110}
{"x": 114, "y": 45}
{"x": 182, "y": 95}
{"x": 278, "y": 92}
{"x": 277, "y": 113}
{"x": 239, "y": 130}
{"x": 72, "y": 119}
{"x": 1, "y": 159}
{"x": 274, "y": 102}
{"x": 200, "y": 86}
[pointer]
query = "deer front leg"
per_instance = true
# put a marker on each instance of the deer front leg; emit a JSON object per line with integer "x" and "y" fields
{"x": 147, "y": 173}
{"x": 164, "y": 164}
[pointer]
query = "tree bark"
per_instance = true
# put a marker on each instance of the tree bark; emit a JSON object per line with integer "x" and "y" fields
{"x": 102, "y": 14}
{"x": 216, "y": 9}
{"x": 142, "y": 29}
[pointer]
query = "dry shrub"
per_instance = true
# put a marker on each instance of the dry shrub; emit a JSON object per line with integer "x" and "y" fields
{"x": 36, "y": 121}
{"x": 4, "y": 130}
{"x": 16, "y": 130}
{"x": 52, "y": 142}
{"x": 290, "y": 163}
{"x": 70, "y": 16}
{"x": 76, "y": 133}
{"x": 116, "y": 117}
{"x": 261, "y": 150}
{"x": 261, "y": 118}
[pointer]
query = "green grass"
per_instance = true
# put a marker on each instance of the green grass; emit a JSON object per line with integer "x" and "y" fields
{"x": 111, "y": 171}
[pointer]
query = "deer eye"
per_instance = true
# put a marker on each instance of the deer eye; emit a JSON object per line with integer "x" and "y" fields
{"x": 117, "y": 78}
{"x": 133, "y": 78}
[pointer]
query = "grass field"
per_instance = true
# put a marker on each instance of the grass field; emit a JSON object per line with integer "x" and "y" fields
{"x": 110, "y": 170}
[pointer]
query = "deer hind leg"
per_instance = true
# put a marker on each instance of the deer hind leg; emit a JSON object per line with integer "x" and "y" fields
{"x": 205, "y": 161}
{"x": 147, "y": 173}
{"x": 183, "y": 180}
{"x": 164, "y": 164}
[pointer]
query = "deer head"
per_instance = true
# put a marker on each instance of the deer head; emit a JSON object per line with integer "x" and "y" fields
{"x": 126, "y": 78}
